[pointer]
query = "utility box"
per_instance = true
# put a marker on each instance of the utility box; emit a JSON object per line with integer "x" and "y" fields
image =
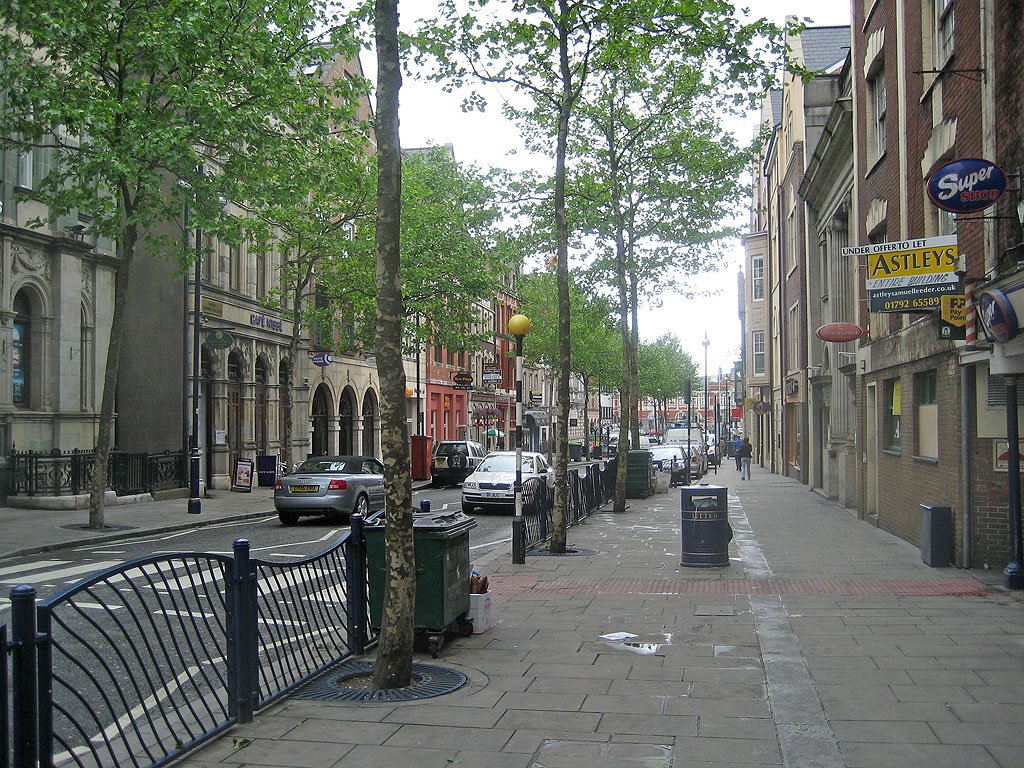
{"x": 936, "y": 535}
{"x": 706, "y": 532}
{"x": 421, "y": 445}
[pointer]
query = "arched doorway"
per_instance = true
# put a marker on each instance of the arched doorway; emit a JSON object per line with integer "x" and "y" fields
{"x": 260, "y": 415}
{"x": 23, "y": 353}
{"x": 347, "y": 422}
{"x": 370, "y": 423}
{"x": 321, "y": 437}
{"x": 235, "y": 368}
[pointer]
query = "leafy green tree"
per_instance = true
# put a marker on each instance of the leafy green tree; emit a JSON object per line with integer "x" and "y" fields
{"x": 130, "y": 96}
{"x": 663, "y": 368}
{"x": 657, "y": 174}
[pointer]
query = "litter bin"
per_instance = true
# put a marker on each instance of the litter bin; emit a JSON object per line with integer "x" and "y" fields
{"x": 575, "y": 452}
{"x": 936, "y": 535}
{"x": 639, "y": 474}
{"x": 706, "y": 532}
{"x": 441, "y": 542}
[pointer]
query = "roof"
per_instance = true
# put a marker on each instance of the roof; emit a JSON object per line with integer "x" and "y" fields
{"x": 825, "y": 47}
{"x": 775, "y": 100}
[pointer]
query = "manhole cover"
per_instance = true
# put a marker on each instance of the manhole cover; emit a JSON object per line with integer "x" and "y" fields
{"x": 569, "y": 552}
{"x": 429, "y": 681}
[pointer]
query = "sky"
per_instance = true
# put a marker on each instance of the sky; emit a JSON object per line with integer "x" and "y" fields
{"x": 428, "y": 116}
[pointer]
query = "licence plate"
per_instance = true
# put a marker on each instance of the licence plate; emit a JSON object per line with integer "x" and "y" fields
{"x": 492, "y": 494}
{"x": 305, "y": 488}
{"x": 441, "y": 461}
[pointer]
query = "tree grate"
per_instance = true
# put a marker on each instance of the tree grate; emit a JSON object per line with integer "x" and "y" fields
{"x": 569, "y": 552}
{"x": 432, "y": 681}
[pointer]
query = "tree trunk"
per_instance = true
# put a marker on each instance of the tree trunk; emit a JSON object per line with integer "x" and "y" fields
{"x": 634, "y": 371}
{"x": 105, "y": 434}
{"x": 393, "y": 668}
{"x": 559, "y": 515}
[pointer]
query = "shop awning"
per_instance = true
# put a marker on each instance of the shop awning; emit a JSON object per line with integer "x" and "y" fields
{"x": 539, "y": 417}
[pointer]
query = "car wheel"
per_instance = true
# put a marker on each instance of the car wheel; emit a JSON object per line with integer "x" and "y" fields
{"x": 288, "y": 518}
{"x": 435, "y": 483}
{"x": 362, "y": 506}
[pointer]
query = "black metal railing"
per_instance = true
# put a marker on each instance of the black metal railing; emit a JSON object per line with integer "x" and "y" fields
{"x": 57, "y": 473}
{"x": 139, "y": 664}
{"x": 587, "y": 493}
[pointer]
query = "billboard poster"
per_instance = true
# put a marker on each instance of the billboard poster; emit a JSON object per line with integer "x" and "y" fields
{"x": 909, "y": 275}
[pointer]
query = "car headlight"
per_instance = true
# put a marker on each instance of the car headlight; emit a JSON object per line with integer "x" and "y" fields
{"x": 470, "y": 484}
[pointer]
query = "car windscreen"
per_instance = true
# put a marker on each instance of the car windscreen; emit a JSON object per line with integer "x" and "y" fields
{"x": 324, "y": 466}
{"x": 505, "y": 464}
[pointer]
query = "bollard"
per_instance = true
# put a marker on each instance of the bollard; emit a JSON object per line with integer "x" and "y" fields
{"x": 24, "y": 678}
{"x": 357, "y": 586}
{"x": 245, "y": 633}
{"x": 425, "y": 506}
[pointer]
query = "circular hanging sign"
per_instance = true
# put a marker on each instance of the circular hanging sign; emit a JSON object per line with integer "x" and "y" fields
{"x": 219, "y": 340}
{"x": 839, "y": 332}
{"x": 760, "y": 407}
{"x": 997, "y": 315}
{"x": 321, "y": 359}
{"x": 967, "y": 185}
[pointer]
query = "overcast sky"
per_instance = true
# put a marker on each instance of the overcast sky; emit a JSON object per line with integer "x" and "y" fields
{"x": 430, "y": 116}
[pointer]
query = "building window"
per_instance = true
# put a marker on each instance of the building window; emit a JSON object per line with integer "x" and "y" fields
{"x": 261, "y": 272}
{"x": 927, "y": 406}
{"x": 21, "y": 351}
{"x": 943, "y": 31}
{"x": 876, "y": 91}
{"x": 757, "y": 277}
{"x": 758, "y": 353}
{"x": 794, "y": 332}
{"x": 893, "y": 408}
{"x": 235, "y": 267}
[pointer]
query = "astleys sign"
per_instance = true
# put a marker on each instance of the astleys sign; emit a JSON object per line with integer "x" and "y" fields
{"x": 909, "y": 275}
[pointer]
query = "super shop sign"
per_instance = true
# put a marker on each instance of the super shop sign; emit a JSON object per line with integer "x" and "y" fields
{"x": 967, "y": 185}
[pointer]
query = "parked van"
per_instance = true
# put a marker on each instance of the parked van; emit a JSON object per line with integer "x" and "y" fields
{"x": 681, "y": 436}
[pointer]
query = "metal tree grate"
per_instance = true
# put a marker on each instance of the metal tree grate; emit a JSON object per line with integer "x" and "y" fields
{"x": 430, "y": 681}
{"x": 569, "y": 552}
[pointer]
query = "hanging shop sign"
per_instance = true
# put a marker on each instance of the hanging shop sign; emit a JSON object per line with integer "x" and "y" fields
{"x": 998, "y": 316}
{"x": 953, "y": 317}
{"x": 909, "y": 275}
{"x": 760, "y": 408}
{"x": 839, "y": 332}
{"x": 321, "y": 359}
{"x": 462, "y": 379}
{"x": 491, "y": 373}
{"x": 219, "y": 339}
{"x": 967, "y": 185}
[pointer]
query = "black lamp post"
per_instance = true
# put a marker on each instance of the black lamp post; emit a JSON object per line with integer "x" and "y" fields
{"x": 519, "y": 326}
{"x": 195, "y": 504}
{"x": 707, "y": 395}
{"x": 1013, "y": 574}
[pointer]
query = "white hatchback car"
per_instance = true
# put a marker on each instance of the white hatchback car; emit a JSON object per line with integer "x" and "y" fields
{"x": 490, "y": 485}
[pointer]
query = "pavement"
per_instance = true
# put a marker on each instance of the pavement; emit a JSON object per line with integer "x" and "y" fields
{"x": 825, "y": 642}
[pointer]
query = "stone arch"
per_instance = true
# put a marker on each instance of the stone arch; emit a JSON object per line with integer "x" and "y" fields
{"x": 320, "y": 417}
{"x": 347, "y": 422}
{"x": 371, "y": 422}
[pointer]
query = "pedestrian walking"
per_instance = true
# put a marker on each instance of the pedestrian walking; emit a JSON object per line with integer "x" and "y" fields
{"x": 745, "y": 452}
{"x": 736, "y": 451}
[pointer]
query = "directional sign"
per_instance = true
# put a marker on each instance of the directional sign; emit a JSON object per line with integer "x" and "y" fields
{"x": 491, "y": 373}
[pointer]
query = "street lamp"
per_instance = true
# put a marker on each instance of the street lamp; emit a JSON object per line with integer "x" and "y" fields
{"x": 519, "y": 326}
{"x": 707, "y": 396}
{"x": 195, "y": 503}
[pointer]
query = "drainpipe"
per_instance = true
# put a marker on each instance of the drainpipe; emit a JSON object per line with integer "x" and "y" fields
{"x": 967, "y": 398}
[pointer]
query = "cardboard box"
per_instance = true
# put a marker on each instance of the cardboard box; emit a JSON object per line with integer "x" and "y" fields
{"x": 480, "y": 612}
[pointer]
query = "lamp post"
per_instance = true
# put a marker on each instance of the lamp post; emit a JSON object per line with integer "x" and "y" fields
{"x": 519, "y": 326}
{"x": 195, "y": 504}
{"x": 707, "y": 395}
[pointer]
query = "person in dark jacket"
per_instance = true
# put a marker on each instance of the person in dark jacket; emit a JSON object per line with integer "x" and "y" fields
{"x": 745, "y": 452}
{"x": 736, "y": 451}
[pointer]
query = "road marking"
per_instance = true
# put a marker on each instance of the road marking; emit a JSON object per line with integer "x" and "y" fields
{"x": 31, "y": 566}
{"x": 61, "y": 573}
{"x": 99, "y": 606}
{"x": 179, "y": 614}
{"x": 492, "y": 543}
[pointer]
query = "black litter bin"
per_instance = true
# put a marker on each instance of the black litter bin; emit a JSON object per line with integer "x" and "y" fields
{"x": 706, "y": 532}
{"x": 936, "y": 535}
{"x": 441, "y": 541}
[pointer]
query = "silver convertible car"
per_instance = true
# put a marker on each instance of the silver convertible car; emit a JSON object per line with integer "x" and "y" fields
{"x": 336, "y": 486}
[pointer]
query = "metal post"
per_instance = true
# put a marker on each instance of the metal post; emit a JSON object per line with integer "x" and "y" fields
{"x": 24, "y": 678}
{"x": 357, "y": 586}
{"x": 519, "y": 522}
{"x": 195, "y": 504}
{"x": 1013, "y": 574}
{"x": 244, "y": 635}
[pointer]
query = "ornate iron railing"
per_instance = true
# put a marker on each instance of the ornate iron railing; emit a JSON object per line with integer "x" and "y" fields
{"x": 56, "y": 473}
{"x": 140, "y": 663}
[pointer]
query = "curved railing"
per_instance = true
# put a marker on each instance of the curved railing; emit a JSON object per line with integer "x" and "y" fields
{"x": 587, "y": 492}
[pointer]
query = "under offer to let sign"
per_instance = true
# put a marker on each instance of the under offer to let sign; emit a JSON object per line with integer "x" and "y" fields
{"x": 909, "y": 275}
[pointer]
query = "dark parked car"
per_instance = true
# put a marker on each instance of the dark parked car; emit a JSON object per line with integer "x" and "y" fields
{"x": 336, "y": 486}
{"x": 454, "y": 460}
